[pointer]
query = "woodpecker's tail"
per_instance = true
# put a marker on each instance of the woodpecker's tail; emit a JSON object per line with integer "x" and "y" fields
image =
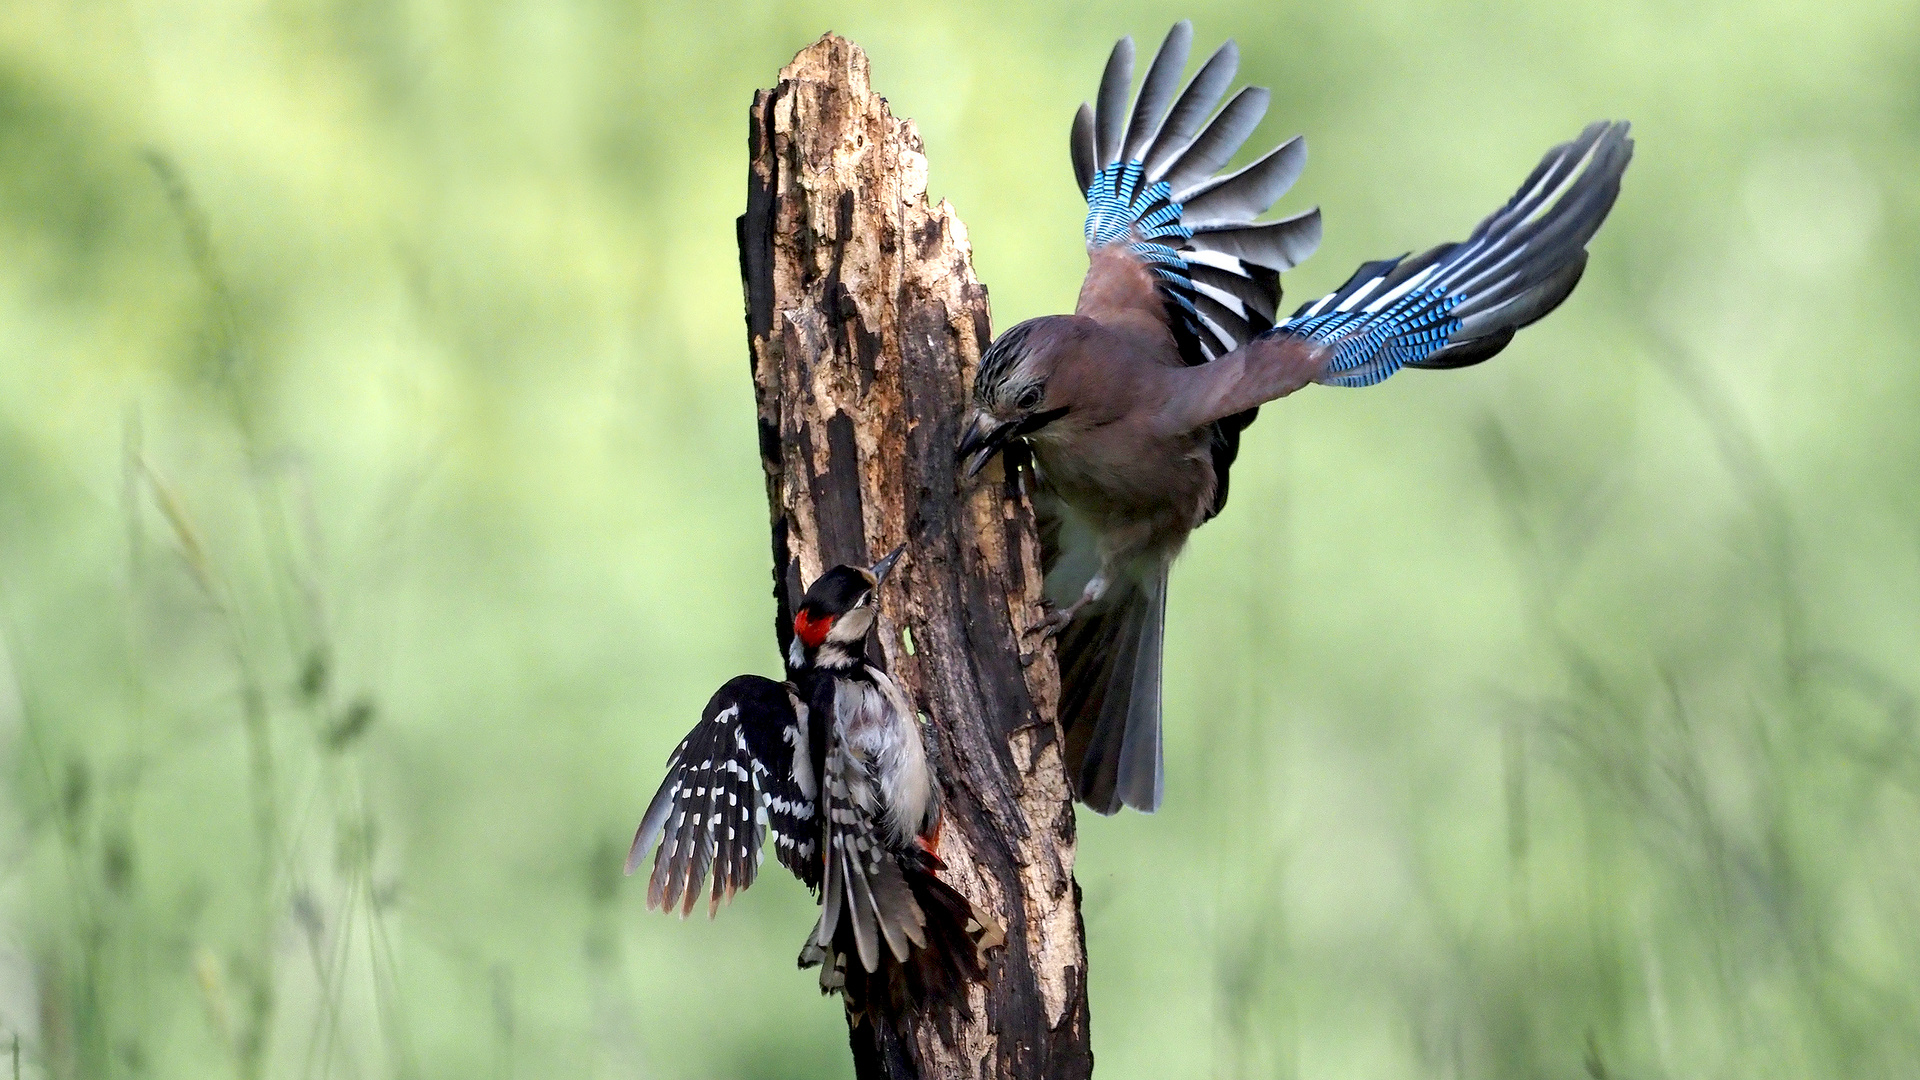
{"x": 1149, "y": 177}
{"x": 1110, "y": 695}
{"x": 953, "y": 939}
{"x": 1459, "y": 304}
{"x": 884, "y": 915}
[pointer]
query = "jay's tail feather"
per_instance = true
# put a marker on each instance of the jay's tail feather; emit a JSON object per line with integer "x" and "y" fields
{"x": 1110, "y": 695}
{"x": 1458, "y": 304}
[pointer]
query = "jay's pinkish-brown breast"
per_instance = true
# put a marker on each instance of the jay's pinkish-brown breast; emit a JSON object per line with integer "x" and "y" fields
{"x": 1120, "y": 477}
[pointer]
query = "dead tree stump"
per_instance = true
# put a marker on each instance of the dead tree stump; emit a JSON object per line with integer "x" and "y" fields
{"x": 865, "y": 322}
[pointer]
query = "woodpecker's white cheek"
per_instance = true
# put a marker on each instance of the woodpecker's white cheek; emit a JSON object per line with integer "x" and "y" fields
{"x": 852, "y": 626}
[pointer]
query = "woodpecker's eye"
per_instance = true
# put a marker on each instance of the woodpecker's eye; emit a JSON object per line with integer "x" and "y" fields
{"x": 1030, "y": 397}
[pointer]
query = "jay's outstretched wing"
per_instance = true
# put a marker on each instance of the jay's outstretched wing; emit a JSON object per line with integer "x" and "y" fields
{"x": 1459, "y": 304}
{"x": 1148, "y": 174}
{"x": 1171, "y": 241}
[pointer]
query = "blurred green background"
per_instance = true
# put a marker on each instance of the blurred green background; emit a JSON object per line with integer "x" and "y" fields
{"x": 379, "y": 502}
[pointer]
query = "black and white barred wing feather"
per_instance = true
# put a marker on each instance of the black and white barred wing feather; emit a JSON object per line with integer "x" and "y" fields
{"x": 867, "y": 898}
{"x": 735, "y": 775}
{"x": 1459, "y": 304}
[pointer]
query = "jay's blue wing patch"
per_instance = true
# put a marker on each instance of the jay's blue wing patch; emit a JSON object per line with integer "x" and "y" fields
{"x": 1122, "y": 210}
{"x": 1369, "y": 346}
{"x": 1149, "y": 175}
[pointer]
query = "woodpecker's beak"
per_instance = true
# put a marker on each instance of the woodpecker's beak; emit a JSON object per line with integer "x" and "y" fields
{"x": 880, "y": 569}
{"x": 985, "y": 437}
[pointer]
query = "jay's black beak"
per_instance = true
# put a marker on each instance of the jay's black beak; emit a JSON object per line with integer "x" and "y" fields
{"x": 986, "y": 437}
{"x": 880, "y": 569}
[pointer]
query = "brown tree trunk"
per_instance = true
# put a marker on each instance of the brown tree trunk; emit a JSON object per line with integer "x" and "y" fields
{"x": 865, "y": 322}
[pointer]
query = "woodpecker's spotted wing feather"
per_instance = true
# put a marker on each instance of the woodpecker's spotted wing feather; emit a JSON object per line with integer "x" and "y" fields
{"x": 865, "y": 893}
{"x": 1458, "y": 304}
{"x": 847, "y": 859}
{"x": 684, "y": 843}
{"x": 728, "y": 781}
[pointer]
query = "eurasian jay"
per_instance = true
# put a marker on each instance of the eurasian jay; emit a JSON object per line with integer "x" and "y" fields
{"x": 1132, "y": 406}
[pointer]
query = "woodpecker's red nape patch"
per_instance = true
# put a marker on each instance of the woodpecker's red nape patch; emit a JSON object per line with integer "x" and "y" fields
{"x": 810, "y": 629}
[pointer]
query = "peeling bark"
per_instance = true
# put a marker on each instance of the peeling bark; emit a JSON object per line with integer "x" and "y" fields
{"x": 866, "y": 321}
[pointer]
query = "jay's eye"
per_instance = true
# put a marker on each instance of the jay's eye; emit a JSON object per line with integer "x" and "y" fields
{"x": 1029, "y": 398}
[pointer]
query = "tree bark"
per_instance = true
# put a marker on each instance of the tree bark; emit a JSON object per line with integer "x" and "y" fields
{"x": 866, "y": 322}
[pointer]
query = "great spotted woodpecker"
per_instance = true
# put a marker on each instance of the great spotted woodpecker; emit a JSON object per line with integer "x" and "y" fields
{"x": 833, "y": 762}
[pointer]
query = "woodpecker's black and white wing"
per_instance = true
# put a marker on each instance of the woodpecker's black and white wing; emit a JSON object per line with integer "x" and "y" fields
{"x": 735, "y": 776}
{"x": 866, "y": 896}
{"x": 1459, "y": 304}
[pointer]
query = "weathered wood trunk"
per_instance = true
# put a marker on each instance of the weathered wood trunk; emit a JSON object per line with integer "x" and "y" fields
{"x": 866, "y": 321}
